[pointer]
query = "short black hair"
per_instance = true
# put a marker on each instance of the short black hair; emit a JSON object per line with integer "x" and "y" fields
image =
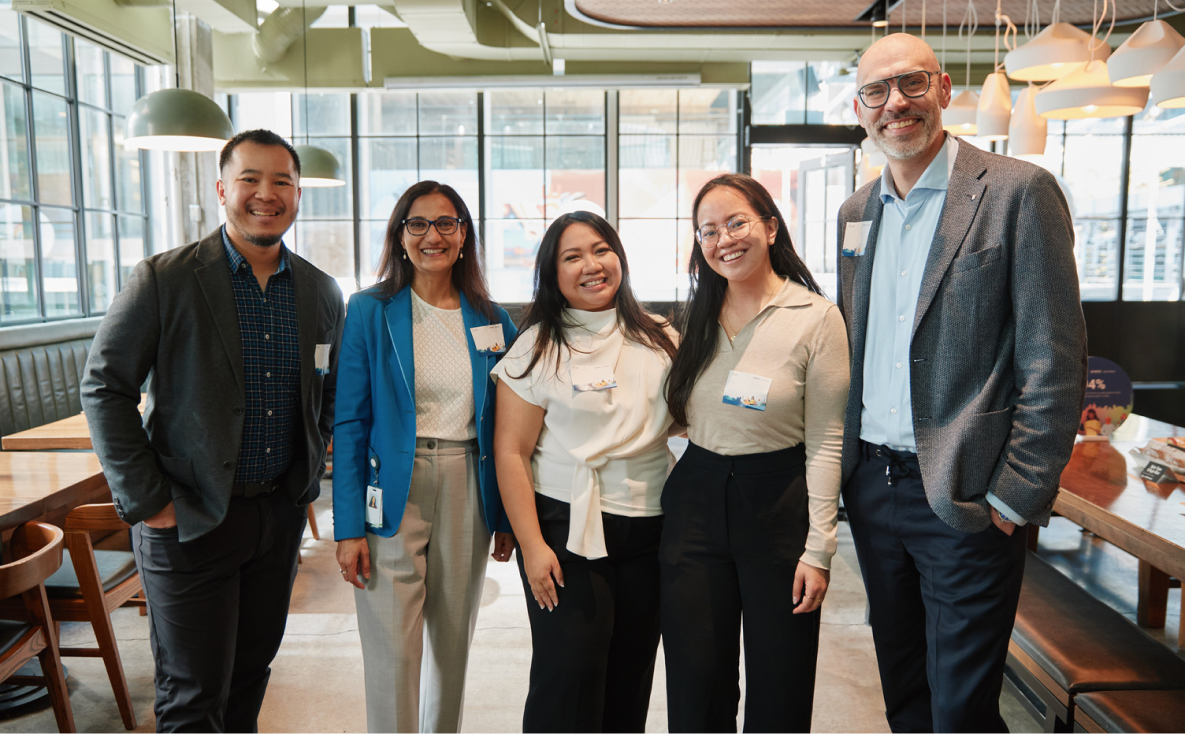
{"x": 259, "y": 137}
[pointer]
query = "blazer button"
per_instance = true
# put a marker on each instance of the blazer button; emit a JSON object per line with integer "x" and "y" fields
{"x": 238, "y": 410}
{"x": 227, "y": 465}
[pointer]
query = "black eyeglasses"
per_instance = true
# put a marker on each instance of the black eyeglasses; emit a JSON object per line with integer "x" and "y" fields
{"x": 418, "y": 226}
{"x": 912, "y": 84}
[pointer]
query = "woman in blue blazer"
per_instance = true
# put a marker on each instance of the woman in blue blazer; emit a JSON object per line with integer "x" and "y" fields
{"x": 415, "y": 497}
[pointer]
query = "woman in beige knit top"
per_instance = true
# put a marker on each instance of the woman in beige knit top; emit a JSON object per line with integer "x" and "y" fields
{"x": 761, "y": 382}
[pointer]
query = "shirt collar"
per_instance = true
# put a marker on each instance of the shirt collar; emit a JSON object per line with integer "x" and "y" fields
{"x": 236, "y": 259}
{"x": 936, "y": 176}
{"x": 792, "y": 294}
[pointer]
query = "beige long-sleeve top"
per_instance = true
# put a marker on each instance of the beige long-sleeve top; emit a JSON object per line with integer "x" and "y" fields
{"x": 798, "y": 341}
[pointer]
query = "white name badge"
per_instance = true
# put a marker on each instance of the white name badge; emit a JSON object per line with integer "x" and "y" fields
{"x": 374, "y": 506}
{"x": 855, "y": 238}
{"x": 746, "y": 390}
{"x": 488, "y": 339}
{"x": 593, "y": 378}
{"x": 321, "y": 358}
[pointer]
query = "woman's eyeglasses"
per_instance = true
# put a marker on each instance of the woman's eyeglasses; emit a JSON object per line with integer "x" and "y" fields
{"x": 418, "y": 226}
{"x": 737, "y": 228}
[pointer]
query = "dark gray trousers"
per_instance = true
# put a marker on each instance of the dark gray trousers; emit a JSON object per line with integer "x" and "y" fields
{"x": 217, "y": 606}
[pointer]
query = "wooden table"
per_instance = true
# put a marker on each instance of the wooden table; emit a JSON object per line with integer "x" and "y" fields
{"x": 1102, "y": 492}
{"x": 46, "y": 486}
{"x": 67, "y": 433}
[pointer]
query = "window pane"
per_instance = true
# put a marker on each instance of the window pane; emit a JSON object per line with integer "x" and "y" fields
{"x": 702, "y": 158}
{"x": 333, "y": 202}
{"x": 830, "y": 89}
{"x": 267, "y": 110}
{"x": 60, "y": 263}
{"x": 100, "y": 260}
{"x": 387, "y": 113}
{"x": 453, "y": 161}
{"x": 510, "y": 257}
{"x": 652, "y": 251}
{"x": 1096, "y": 247}
{"x": 370, "y": 251}
{"x": 10, "y": 44}
{"x": 129, "y": 189}
{"x": 53, "y": 149}
{"x": 1092, "y": 165}
{"x": 685, "y": 241}
{"x": 131, "y": 246}
{"x": 388, "y": 168}
{"x": 45, "y": 57}
{"x": 648, "y": 111}
{"x": 776, "y": 92}
{"x": 1152, "y": 267}
{"x": 707, "y": 111}
{"x": 514, "y": 182}
{"x": 123, "y": 83}
{"x": 646, "y": 181}
{"x": 1156, "y": 186}
{"x": 514, "y": 112}
{"x": 14, "y": 178}
{"x": 18, "y": 263}
{"x": 96, "y": 159}
{"x": 92, "y": 80}
{"x": 575, "y": 175}
{"x": 448, "y": 113}
{"x": 329, "y": 246}
{"x": 1094, "y": 126}
{"x": 575, "y": 111}
{"x": 328, "y": 114}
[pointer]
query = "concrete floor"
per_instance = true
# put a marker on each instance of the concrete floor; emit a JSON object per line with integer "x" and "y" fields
{"x": 317, "y": 686}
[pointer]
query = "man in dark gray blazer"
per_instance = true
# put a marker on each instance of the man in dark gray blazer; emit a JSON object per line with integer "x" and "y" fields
{"x": 959, "y": 288}
{"x": 238, "y": 338}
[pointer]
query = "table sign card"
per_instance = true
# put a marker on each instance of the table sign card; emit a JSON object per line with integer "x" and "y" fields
{"x": 1108, "y": 400}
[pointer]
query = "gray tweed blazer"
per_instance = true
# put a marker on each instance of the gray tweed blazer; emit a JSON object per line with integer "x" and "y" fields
{"x": 998, "y": 354}
{"x": 175, "y": 323}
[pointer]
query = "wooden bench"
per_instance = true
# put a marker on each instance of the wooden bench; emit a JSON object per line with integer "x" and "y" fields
{"x": 1066, "y": 643}
{"x": 1130, "y": 711}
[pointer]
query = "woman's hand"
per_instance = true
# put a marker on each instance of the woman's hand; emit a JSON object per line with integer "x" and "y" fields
{"x": 353, "y": 558}
{"x": 541, "y": 565}
{"x": 810, "y": 585}
{"x": 503, "y": 547}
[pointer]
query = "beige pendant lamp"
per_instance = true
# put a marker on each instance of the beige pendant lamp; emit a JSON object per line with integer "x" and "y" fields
{"x": 1027, "y": 131}
{"x": 1088, "y": 92}
{"x": 959, "y": 118}
{"x": 1168, "y": 82}
{"x": 995, "y": 99}
{"x": 1054, "y": 52}
{"x": 1144, "y": 53}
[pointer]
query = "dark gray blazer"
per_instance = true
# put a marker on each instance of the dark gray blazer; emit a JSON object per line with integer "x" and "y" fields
{"x": 175, "y": 323}
{"x": 998, "y": 355}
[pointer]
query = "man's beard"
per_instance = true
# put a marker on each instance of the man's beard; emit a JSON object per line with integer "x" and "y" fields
{"x": 906, "y": 149}
{"x": 261, "y": 241}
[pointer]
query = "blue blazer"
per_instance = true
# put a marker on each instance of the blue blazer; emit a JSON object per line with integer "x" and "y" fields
{"x": 376, "y": 413}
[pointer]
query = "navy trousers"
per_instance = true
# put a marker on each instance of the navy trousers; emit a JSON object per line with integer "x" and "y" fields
{"x": 942, "y": 602}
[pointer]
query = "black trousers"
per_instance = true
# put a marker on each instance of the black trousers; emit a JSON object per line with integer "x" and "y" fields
{"x": 592, "y": 658}
{"x": 217, "y": 606}
{"x": 942, "y": 602}
{"x": 735, "y": 529}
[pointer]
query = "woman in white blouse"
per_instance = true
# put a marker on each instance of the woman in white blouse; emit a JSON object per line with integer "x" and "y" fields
{"x": 581, "y": 452}
{"x": 415, "y": 497}
{"x": 761, "y": 382}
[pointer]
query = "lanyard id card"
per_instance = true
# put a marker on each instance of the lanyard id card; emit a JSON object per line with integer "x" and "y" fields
{"x": 593, "y": 378}
{"x": 374, "y": 506}
{"x": 746, "y": 390}
{"x": 488, "y": 339}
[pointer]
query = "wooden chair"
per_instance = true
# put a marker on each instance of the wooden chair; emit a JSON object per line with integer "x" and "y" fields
{"x": 90, "y": 587}
{"x": 38, "y": 550}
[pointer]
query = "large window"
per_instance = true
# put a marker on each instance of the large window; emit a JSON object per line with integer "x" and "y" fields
{"x": 72, "y": 220}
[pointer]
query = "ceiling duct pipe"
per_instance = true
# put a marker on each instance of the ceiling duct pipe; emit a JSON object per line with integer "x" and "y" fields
{"x": 280, "y": 30}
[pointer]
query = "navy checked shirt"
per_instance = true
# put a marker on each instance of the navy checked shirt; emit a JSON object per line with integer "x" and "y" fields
{"x": 271, "y": 367}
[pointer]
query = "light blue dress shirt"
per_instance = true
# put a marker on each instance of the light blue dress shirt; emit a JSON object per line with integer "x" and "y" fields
{"x": 902, "y": 247}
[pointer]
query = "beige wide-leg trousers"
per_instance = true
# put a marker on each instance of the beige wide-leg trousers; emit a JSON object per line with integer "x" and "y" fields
{"x": 418, "y": 611}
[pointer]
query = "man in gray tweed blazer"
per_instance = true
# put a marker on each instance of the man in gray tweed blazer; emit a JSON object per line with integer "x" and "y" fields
{"x": 958, "y": 284}
{"x": 238, "y": 339}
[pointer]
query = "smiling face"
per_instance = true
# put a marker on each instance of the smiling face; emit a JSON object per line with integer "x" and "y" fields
{"x": 260, "y": 190}
{"x": 433, "y": 253}
{"x": 903, "y": 128}
{"x": 587, "y": 269}
{"x": 737, "y": 260}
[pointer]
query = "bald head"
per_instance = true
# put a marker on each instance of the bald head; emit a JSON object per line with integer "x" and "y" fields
{"x": 883, "y": 58}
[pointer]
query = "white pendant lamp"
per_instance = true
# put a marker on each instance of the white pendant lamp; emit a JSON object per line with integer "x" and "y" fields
{"x": 318, "y": 168}
{"x": 1143, "y": 54}
{"x": 1168, "y": 84}
{"x": 1027, "y": 131}
{"x": 995, "y": 108}
{"x": 1088, "y": 92}
{"x": 1051, "y": 54}
{"x": 959, "y": 117}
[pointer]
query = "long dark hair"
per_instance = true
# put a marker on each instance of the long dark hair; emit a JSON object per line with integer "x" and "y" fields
{"x": 395, "y": 272}
{"x": 696, "y": 321}
{"x": 547, "y": 305}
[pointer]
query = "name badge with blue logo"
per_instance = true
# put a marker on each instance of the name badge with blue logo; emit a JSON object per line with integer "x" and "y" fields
{"x": 489, "y": 339}
{"x": 746, "y": 390}
{"x": 855, "y": 238}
